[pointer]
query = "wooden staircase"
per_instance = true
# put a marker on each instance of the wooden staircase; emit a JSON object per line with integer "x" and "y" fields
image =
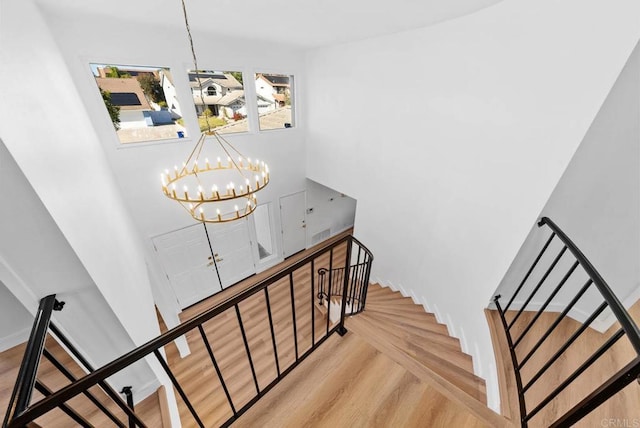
{"x": 414, "y": 339}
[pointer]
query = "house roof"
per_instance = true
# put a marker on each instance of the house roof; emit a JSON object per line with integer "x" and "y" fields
{"x": 275, "y": 79}
{"x": 225, "y": 80}
{"x": 125, "y": 92}
{"x": 227, "y": 99}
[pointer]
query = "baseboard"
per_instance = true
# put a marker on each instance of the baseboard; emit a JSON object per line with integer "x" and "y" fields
{"x": 14, "y": 339}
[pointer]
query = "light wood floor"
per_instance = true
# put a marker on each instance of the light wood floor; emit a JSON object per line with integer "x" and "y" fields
{"x": 348, "y": 383}
{"x": 624, "y": 407}
{"x": 148, "y": 410}
{"x": 356, "y": 380}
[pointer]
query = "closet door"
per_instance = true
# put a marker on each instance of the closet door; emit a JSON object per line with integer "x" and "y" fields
{"x": 233, "y": 255}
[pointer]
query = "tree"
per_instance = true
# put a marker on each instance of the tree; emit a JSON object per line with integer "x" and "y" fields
{"x": 115, "y": 73}
{"x": 114, "y": 110}
{"x": 151, "y": 87}
{"x": 237, "y": 75}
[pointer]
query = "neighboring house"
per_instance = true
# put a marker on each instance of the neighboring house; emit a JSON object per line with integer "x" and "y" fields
{"x": 136, "y": 110}
{"x": 221, "y": 93}
{"x": 170, "y": 95}
{"x": 127, "y": 94}
{"x": 273, "y": 87}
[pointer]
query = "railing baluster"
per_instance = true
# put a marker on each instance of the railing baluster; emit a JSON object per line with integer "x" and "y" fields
{"x": 506, "y": 308}
{"x": 341, "y": 328}
{"x": 514, "y": 361}
{"x": 26, "y": 380}
{"x": 217, "y": 368}
{"x": 246, "y": 347}
{"x": 313, "y": 306}
{"x": 62, "y": 369}
{"x": 178, "y": 388}
{"x": 613, "y": 385}
{"x": 293, "y": 314}
{"x": 535, "y": 290}
{"x": 564, "y": 347}
{"x": 546, "y": 303}
{"x": 560, "y": 317}
{"x": 366, "y": 281}
{"x": 102, "y": 384}
{"x": 42, "y": 389}
{"x": 584, "y": 366}
{"x": 330, "y": 290}
{"x": 273, "y": 333}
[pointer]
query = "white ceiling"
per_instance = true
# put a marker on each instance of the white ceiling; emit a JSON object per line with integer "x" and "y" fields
{"x": 302, "y": 23}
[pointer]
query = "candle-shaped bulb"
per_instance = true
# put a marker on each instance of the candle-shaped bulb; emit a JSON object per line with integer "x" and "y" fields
{"x": 206, "y": 163}
{"x": 201, "y": 214}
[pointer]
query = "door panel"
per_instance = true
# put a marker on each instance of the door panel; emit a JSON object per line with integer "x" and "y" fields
{"x": 292, "y": 216}
{"x": 232, "y": 250}
{"x": 185, "y": 257}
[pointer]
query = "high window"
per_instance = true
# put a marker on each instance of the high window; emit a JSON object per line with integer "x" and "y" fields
{"x": 275, "y": 100}
{"x": 219, "y": 100}
{"x": 140, "y": 101}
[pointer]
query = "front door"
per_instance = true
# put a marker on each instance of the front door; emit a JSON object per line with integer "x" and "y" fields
{"x": 186, "y": 258}
{"x": 292, "y": 217}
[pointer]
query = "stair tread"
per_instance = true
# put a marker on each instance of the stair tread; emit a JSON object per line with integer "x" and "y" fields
{"x": 428, "y": 335}
{"x": 425, "y": 351}
{"x": 401, "y": 309}
{"x": 402, "y": 321}
{"x": 461, "y": 379}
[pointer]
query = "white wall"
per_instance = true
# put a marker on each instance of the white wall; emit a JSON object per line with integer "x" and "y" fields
{"x": 36, "y": 260}
{"x": 451, "y": 169}
{"x": 137, "y": 168}
{"x": 332, "y": 210}
{"x": 597, "y": 203}
{"x": 15, "y": 320}
{"x": 49, "y": 134}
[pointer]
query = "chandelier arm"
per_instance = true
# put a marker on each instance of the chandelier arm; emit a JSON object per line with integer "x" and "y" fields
{"x": 229, "y": 156}
{"x": 222, "y": 141}
{"x": 198, "y": 148}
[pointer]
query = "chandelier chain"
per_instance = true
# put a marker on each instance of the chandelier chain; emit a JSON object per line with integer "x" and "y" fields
{"x": 195, "y": 63}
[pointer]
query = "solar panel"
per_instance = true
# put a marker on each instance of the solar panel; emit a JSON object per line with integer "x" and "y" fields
{"x": 125, "y": 99}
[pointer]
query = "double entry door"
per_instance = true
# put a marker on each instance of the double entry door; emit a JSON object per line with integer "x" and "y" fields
{"x": 201, "y": 260}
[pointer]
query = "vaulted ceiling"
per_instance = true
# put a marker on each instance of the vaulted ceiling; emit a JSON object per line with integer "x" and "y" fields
{"x": 301, "y": 23}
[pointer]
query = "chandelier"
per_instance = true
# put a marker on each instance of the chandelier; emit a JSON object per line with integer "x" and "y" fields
{"x": 219, "y": 190}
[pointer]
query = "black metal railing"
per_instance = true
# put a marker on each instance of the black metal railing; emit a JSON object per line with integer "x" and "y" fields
{"x": 564, "y": 267}
{"x": 287, "y": 297}
{"x": 37, "y": 353}
{"x": 357, "y": 282}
